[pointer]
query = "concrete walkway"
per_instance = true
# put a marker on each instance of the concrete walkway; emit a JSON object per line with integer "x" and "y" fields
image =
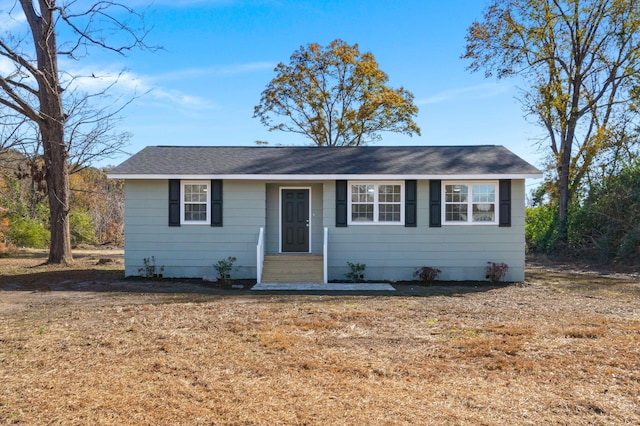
{"x": 323, "y": 287}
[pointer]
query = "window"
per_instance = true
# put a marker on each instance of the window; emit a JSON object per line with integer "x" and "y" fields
{"x": 466, "y": 203}
{"x": 380, "y": 203}
{"x": 194, "y": 205}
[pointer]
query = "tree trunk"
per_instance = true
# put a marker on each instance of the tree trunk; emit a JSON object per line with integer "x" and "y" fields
{"x": 564, "y": 170}
{"x": 563, "y": 199}
{"x": 51, "y": 119}
{"x": 57, "y": 178}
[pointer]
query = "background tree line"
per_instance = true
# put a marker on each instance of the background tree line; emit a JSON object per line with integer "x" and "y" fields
{"x": 96, "y": 213}
{"x": 603, "y": 226}
{"x": 577, "y": 64}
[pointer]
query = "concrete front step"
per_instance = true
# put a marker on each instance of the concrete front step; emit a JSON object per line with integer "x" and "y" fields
{"x": 293, "y": 268}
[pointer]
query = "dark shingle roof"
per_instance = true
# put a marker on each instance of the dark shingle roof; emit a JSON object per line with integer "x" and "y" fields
{"x": 370, "y": 160}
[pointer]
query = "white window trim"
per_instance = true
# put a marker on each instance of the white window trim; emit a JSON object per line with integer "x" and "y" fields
{"x": 375, "y": 203}
{"x": 183, "y": 183}
{"x": 470, "y": 184}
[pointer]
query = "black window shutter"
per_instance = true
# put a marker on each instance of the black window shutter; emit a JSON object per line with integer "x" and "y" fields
{"x": 216, "y": 202}
{"x": 504, "y": 208}
{"x": 410, "y": 203}
{"x": 174, "y": 202}
{"x": 435, "y": 203}
{"x": 341, "y": 203}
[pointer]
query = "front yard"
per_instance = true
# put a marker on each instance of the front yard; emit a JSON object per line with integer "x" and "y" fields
{"x": 86, "y": 347}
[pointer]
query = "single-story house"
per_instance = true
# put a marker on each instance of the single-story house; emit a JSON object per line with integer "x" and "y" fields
{"x": 393, "y": 209}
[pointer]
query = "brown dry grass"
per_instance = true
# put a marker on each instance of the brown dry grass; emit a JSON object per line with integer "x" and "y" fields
{"x": 563, "y": 348}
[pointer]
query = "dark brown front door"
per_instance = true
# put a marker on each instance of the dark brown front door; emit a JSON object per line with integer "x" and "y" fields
{"x": 295, "y": 220}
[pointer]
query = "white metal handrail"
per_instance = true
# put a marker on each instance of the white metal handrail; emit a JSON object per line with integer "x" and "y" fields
{"x": 260, "y": 256}
{"x": 325, "y": 257}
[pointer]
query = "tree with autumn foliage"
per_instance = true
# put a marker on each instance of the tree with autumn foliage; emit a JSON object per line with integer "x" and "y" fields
{"x": 36, "y": 95}
{"x": 96, "y": 214}
{"x": 101, "y": 200}
{"x": 335, "y": 96}
{"x": 4, "y": 229}
{"x": 579, "y": 62}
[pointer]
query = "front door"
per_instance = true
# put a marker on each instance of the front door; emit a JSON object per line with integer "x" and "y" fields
{"x": 295, "y": 220}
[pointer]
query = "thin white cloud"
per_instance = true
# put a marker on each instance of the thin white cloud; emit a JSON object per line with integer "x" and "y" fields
{"x": 183, "y": 100}
{"x": 125, "y": 83}
{"x": 225, "y": 70}
{"x": 155, "y": 86}
{"x": 486, "y": 90}
{"x": 132, "y": 84}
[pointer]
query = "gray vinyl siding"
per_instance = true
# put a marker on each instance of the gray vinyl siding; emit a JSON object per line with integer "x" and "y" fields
{"x": 394, "y": 252}
{"x": 272, "y": 230}
{"x": 317, "y": 222}
{"x": 191, "y": 250}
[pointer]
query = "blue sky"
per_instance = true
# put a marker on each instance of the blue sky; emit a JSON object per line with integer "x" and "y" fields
{"x": 219, "y": 55}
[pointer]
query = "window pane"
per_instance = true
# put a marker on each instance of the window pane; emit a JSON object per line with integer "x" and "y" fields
{"x": 484, "y": 212}
{"x": 389, "y": 213}
{"x": 389, "y": 193}
{"x": 456, "y": 212}
{"x": 484, "y": 193}
{"x": 356, "y": 190}
{"x": 456, "y": 193}
{"x": 362, "y": 193}
{"x": 370, "y": 193}
{"x": 362, "y": 213}
{"x": 195, "y": 193}
{"x": 195, "y": 212}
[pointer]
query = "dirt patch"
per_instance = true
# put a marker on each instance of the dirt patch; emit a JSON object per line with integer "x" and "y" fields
{"x": 561, "y": 348}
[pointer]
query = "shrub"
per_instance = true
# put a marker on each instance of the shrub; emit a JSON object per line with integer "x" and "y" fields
{"x": 26, "y": 232}
{"x": 149, "y": 268}
{"x": 629, "y": 248}
{"x": 541, "y": 228}
{"x": 427, "y": 274}
{"x": 494, "y": 272}
{"x": 81, "y": 228}
{"x": 356, "y": 274}
{"x": 224, "y": 267}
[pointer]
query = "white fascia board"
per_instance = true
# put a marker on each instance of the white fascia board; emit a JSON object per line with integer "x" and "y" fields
{"x": 331, "y": 177}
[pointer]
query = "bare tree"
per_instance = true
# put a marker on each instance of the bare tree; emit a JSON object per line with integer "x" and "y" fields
{"x": 37, "y": 89}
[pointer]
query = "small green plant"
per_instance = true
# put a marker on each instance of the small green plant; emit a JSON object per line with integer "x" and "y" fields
{"x": 494, "y": 272}
{"x": 224, "y": 268}
{"x": 356, "y": 274}
{"x": 149, "y": 268}
{"x": 427, "y": 274}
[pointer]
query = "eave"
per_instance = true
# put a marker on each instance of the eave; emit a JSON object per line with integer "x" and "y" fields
{"x": 287, "y": 177}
